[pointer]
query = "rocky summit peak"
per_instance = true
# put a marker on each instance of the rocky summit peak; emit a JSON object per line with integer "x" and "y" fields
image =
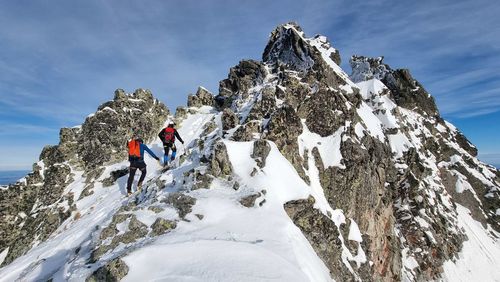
{"x": 406, "y": 91}
{"x": 365, "y": 68}
{"x": 287, "y": 45}
{"x": 368, "y": 180}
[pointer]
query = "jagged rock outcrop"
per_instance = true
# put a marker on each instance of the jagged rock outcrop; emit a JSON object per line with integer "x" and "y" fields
{"x": 115, "y": 270}
{"x": 383, "y": 185}
{"x": 385, "y": 172}
{"x": 260, "y": 152}
{"x": 104, "y": 134}
{"x": 229, "y": 119}
{"x": 406, "y": 91}
{"x": 202, "y": 98}
{"x": 220, "y": 164}
{"x": 241, "y": 78}
{"x": 34, "y": 208}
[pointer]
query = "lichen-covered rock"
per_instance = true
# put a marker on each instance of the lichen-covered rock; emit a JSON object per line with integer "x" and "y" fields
{"x": 113, "y": 176}
{"x": 249, "y": 201}
{"x": 162, "y": 226}
{"x": 264, "y": 107}
{"x": 260, "y": 152}
{"x": 406, "y": 91}
{"x": 156, "y": 209}
{"x": 220, "y": 165}
{"x": 114, "y": 270}
{"x": 202, "y": 98}
{"x": 104, "y": 134}
{"x": 202, "y": 180}
{"x": 136, "y": 230}
{"x": 182, "y": 202}
{"x": 246, "y": 74}
{"x": 322, "y": 234}
{"x": 229, "y": 119}
{"x": 283, "y": 129}
{"x": 247, "y": 131}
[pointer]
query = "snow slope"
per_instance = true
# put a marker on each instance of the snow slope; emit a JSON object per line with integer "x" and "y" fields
{"x": 269, "y": 246}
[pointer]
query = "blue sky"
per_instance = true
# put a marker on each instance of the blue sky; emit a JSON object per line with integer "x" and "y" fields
{"x": 60, "y": 59}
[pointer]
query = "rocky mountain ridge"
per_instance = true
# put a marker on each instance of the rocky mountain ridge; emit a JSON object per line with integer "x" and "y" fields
{"x": 382, "y": 173}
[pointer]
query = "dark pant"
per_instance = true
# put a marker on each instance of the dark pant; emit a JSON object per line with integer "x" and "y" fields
{"x": 169, "y": 145}
{"x": 141, "y": 165}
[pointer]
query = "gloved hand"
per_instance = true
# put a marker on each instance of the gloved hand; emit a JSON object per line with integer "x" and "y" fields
{"x": 158, "y": 159}
{"x": 182, "y": 142}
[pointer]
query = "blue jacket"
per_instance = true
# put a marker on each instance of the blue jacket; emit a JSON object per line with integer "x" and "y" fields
{"x": 142, "y": 148}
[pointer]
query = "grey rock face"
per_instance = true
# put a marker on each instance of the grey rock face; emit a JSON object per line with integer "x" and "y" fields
{"x": 326, "y": 111}
{"x": 246, "y": 74}
{"x": 202, "y": 98}
{"x": 101, "y": 140}
{"x": 229, "y": 119}
{"x": 264, "y": 107}
{"x": 104, "y": 135}
{"x": 286, "y": 46}
{"x": 136, "y": 231}
{"x": 115, "y": 270}
{"x": 182, "y": 202}
{"x": 114, "y": 175}
{"x": 406, "y": 91}
{"x": 465, "y": 144}
{"x": 260, "y": 152}
{"x": 360, "y": 191}
{"x": 162, "y": 226}
{"x": 283, "y": 129}
{"x": 249, "y": 201}
{"x": 247, "y": 131}
{"x": 322, "y": 234}
{"x": 42, "y": 203}
{"x": 220, "y": 164}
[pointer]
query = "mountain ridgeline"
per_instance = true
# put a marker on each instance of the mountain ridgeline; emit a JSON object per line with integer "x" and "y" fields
{"x": 371, "y": 147}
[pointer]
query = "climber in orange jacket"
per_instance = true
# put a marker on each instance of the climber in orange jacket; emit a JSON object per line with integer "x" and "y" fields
{"x": 136, "y": 150}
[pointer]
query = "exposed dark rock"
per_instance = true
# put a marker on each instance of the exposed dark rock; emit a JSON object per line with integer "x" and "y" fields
{"x": 264, "y": 106}
{"x": 209, "y": 127}
{"x": 202, "y": 181}
{"x": 113, "y": 176}
{"x": 236, "y": 186}
{"x": 283, "y": 129}
{"x": 162, "y": 226}
{"x": 202, "y": 98}
{"x": 87, "y": 191}
{"x": 155, "y": 209}
{"x": 260, "y": 152}
{"x": 182, "y": 202}
{"x": 246, "y": 74}
{"x": 325, "y": 112}
{"x": 114, "y": 270}
{"x": 465, "y": 144}
{"x": 220, "y": 164}
{"x": 229, "y": 119}
{"x": 247, "y": 131}
{"x": 249, "y": 201}
{"x": 322, "y": 234}
{"x": 105, "y": 133}
{"x": 406, "y": 91}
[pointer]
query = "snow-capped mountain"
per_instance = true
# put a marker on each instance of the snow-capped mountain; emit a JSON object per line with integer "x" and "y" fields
{"x": 294, "y": 171}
